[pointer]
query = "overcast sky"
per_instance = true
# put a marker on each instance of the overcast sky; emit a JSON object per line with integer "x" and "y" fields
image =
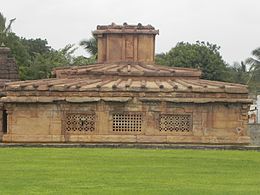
{"x": 232, "y": 24}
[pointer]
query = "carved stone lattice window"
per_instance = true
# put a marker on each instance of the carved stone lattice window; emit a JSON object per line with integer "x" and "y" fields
{"x": 127, "y": 122}
{"x": 175, "y": 122}
{"x": 80, "y": 122}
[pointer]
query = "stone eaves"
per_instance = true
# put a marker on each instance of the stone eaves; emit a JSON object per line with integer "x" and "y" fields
{"x": 125, "y": 29}
{"x": 121, "y": 84}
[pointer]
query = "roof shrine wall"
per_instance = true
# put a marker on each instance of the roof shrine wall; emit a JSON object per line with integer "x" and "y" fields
{"x": 126, "y": 43}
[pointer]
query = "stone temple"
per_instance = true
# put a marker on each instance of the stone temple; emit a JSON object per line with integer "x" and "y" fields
{"x": 125, "y": 98}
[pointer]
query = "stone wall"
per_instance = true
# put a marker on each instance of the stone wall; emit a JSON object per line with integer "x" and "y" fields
{"x": 254, "y": 130}
{"x": 143, "y": 122}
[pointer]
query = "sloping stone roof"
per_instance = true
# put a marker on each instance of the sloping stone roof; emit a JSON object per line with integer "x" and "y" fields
{"x": 115, "y": 82}
{"x": 124, "y": 84}
{"x": 125, "y": 69}
{"x": 129, "y": 80}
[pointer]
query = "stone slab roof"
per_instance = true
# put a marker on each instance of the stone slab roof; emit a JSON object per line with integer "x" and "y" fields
{"x": 126, "y": 69}
{"x": 123, "y": 89}
{"x": 126, "y": 80}
{"x": 122, "y": 84}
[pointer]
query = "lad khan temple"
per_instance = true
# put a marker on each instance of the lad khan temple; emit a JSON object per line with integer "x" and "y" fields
{"x": 123, "y": 98}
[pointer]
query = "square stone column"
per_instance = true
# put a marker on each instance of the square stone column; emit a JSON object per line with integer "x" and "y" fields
{"x": 1, "y": 121}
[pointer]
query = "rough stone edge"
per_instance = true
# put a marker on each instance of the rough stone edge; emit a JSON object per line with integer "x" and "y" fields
{"x": 136, "y": 146}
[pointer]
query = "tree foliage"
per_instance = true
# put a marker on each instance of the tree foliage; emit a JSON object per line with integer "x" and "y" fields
{"x": 35, "y": 58}
{"x": 43, "y": 63}
{"x": 201, "y": 55}
{"x": 255, "y": 60}
{"x": 90, "y": 45}
{"x": 5, "y": 28}
{"x": 237, "y": 73}
{"x": 254, "y": 70}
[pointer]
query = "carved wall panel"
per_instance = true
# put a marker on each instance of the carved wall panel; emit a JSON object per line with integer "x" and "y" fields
{"x": 176, "y": 122}
{"x": 80, "y": 122}
{"x": 127, "y": 122}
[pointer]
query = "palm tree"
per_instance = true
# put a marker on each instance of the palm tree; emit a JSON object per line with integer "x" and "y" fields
{"x": 254, "y": 63}
{"x": 5, "y": 29}
{"x": 90, "y": 45}
{"x": 238, "y": 73}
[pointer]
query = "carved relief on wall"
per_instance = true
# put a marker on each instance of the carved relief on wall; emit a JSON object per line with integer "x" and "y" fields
{"x": 129, "y": 47}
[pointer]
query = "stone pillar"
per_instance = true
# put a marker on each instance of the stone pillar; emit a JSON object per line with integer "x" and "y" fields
{"x": 258, "y": 109}
{"x": 1, "y": 122}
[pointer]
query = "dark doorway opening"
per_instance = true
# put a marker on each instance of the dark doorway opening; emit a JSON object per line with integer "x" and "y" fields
{"x": 4, "y": 121}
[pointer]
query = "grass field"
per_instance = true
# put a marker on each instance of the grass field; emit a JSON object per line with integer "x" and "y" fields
{"x": 128, "y": 171}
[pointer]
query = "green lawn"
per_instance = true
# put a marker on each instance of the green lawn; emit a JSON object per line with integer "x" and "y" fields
{"x": 128, "y": 171}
